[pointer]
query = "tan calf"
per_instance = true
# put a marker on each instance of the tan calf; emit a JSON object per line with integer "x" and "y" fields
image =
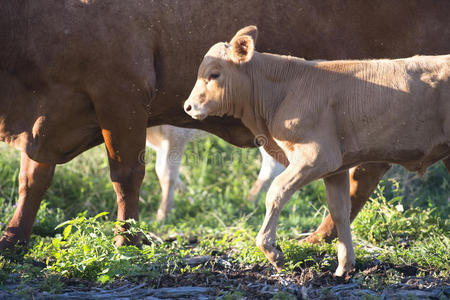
{"x": 325, "y": 117}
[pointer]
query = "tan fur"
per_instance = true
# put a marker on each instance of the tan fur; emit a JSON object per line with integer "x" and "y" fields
{"x": 328, "y": 116}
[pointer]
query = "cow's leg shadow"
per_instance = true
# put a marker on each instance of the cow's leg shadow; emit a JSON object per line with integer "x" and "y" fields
{"x": 34, "y": 180}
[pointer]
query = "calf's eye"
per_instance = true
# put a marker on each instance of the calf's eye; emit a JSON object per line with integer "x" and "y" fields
{"x": 213, "y": 76}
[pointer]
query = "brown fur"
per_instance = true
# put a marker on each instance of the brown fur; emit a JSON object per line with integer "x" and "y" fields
{"x": 72, "y": 70}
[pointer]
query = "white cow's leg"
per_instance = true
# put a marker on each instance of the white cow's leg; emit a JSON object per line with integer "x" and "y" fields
{"x": 169, "y": 143}
{"x": 270, "y": 168}
{"x": 338, "y": 198}
{"x": 167, "y": 167}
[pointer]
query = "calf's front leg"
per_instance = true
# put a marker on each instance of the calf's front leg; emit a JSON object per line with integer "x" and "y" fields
{"x": 296, "y": 175}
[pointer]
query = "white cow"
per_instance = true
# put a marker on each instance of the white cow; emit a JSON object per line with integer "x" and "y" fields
{"x": 169, "y": 143}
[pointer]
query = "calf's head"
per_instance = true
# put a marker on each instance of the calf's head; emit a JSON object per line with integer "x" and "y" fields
{"x": 221, "y": 85}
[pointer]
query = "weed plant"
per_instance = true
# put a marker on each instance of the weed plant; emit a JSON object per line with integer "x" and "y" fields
{"x": 74, "y": 230}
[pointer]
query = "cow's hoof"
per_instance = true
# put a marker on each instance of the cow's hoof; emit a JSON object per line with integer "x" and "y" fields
{"x": 161, "y": 215}
{"x": 12, "y": 248}
{"x": 124, "y": 239}
{"x": 5, "y": 243}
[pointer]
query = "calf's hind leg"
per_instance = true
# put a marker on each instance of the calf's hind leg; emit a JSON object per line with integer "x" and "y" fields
{"x": 337, "y": 187}
{"x": 34, "y": 180}
{"x": 363, "y": 181}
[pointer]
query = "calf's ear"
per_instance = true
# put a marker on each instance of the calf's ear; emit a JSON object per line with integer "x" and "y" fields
{"x": 243, "y": 44}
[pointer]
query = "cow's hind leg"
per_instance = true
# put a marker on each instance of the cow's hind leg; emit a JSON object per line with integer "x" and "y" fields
{"x": 363, "y": 182}
{"x": 337, "y": 187}
{"x": 34, "y": 180}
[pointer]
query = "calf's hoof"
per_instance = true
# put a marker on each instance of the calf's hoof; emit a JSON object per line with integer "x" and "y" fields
{"x": 326, "y": 233}
{"x": 344, "y": 270}
{"x": 279, "y": 263}
{"x": 274, "y": 255}
{"x": 312, "y": 239}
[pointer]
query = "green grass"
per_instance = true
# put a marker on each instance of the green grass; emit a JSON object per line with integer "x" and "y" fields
{"x": 406, "y": 226}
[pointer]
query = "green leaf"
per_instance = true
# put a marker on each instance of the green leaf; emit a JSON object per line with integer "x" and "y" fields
{"x": 104, "y": 279}
{"x": 63, "y": 224}
{"x": 56, "y": 243}
{"x": 67, "y": 231}
{"x": 100, "y": 215}
{"x": 86, "y": 249}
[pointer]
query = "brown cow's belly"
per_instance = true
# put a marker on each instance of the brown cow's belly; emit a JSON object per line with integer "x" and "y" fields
{"x": 52, "y": 124}
{"x": 56, "y": 148}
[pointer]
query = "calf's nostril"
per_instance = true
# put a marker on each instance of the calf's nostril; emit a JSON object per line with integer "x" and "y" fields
{"x": 188, "y": 108}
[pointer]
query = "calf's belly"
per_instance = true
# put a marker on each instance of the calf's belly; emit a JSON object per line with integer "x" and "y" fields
{"x": 412, "y": 159}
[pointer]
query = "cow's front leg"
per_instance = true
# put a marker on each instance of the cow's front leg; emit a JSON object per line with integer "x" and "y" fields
{"x": 34, "y": 180}
{"x": 127, "y": 173}
{"x": 123, "y": 123}
{"x": 363, "y": 181}
{"x": 338, "y": 188}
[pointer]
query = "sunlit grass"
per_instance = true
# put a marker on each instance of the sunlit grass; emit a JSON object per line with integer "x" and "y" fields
{"x": 403, "y": 228}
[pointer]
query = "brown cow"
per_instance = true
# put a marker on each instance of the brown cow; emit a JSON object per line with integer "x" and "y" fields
{"x": 327, "y": 116}
{"x": 74, "y": 74}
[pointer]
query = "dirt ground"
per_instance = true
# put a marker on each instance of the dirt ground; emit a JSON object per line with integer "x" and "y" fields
{"x": 218, "y": 278}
